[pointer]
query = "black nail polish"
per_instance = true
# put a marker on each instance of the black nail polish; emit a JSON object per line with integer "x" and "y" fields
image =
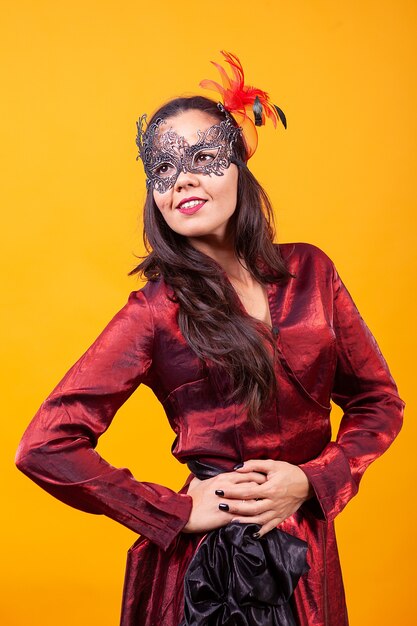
{"x": 238, "y": 466}
{"x": 223, "y": 506}
{"x": 255, "y": 535}
{"x": 219, "y": 492}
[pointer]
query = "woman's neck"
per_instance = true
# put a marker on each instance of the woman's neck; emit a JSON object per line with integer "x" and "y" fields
{"x": 224, "y": 254}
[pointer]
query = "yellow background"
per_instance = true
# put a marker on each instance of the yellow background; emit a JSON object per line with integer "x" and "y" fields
{"x": 75, "y": 77}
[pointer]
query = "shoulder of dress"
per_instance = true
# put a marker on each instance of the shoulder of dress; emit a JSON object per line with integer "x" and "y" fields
{"x": 301, "y": 253}
{"x": 156, "y": 293}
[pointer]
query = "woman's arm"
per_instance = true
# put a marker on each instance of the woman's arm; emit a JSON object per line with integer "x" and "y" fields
{"x": 57, "y": 449}
{"x": 373, "y": 411}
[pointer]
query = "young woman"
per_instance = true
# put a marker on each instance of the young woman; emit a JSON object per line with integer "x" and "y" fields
{"x": 244, "y": 341}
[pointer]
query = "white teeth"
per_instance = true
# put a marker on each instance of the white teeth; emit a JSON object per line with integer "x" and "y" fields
{"x": 191, "y": 203}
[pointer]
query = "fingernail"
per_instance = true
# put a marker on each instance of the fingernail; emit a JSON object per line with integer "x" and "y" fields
{"x": 223, "y": 506}
{"x": 255, "y": 535}
{"x": 238, "y": 466}
{"x": 219, "y": 492}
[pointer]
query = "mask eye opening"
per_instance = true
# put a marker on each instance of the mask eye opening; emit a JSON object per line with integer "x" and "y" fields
{"x": 155, "y": 170}
{"x": 212, "y": 151}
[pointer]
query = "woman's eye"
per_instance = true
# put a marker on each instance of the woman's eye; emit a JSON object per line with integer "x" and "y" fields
{"x": 205, "y": 156}
{"x": 163, "y": 169}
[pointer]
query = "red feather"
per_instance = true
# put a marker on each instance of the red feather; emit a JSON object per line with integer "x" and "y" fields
{"x": 239, "y": 99}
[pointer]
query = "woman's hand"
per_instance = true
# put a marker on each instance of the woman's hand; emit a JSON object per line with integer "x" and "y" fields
{"x": 271, "y": 502}
{"x": 206, "y": 514}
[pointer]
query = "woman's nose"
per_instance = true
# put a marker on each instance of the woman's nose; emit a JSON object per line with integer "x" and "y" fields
{"x": 185, "y": 179}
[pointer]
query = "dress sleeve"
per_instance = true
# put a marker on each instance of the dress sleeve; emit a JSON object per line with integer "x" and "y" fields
{"x": 57, "y": 450}
{"x": 372, "y": 410}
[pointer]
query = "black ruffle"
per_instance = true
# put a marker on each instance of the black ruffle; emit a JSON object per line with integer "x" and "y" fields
{"x": 236, "y": 580}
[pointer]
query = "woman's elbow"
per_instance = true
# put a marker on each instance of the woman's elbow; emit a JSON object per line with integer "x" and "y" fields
{"x": 25, "y": 457}
{"x": 33, "y": 455}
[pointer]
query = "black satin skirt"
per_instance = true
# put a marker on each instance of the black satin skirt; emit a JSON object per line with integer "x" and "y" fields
{"x": 236, "y": 580}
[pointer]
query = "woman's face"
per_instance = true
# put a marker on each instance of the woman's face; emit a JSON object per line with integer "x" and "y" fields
{"x": 200, "y": 202}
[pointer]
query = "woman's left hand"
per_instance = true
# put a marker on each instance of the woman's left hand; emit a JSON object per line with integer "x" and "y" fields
{"x": 270, "y": 503}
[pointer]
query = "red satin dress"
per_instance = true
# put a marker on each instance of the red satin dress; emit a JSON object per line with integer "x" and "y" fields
{"x": 324, "y": 351}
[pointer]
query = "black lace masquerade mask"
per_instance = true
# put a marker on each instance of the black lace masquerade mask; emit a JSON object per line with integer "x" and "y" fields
{"x": 165, "y": 154}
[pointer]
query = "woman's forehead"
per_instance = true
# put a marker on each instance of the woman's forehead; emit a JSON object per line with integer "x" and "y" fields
{"x": 188, "y": 123}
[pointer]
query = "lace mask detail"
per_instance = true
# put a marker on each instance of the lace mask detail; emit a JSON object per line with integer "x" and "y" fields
{"x": 165, "y": 154}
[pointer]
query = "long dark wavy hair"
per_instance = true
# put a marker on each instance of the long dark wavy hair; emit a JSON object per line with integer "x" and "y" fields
{"x": 211, "y": 316}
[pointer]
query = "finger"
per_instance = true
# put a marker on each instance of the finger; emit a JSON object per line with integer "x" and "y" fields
{"x": 245, "y": 508}
{"x": 268, "y": 517}
{"x": 227, "y": 479}
{"x": 256, "y": 477}
{"x": 257, "y": 465}
{"x": 243, "y": 491}
{"x": 268, "y": 526}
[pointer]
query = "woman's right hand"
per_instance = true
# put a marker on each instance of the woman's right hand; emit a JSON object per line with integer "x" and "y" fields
{"x": 205, "y": 514}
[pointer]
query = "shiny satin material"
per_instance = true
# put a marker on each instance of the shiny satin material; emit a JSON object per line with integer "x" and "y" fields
{"x": 236, "y": 579}
{"x": 324, "y": 351}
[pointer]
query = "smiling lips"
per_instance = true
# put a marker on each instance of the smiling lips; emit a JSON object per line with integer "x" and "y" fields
{"x": 191, "y": 205}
